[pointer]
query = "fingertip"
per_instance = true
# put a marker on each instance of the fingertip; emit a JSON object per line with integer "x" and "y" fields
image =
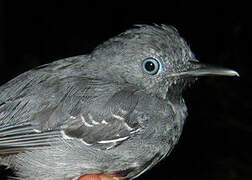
{"x": 106, "y": 177}
{"x": 90, "y": 177}
{"x": 98, "y": 177}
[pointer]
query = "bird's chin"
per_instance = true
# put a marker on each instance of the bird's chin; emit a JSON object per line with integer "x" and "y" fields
{"x": 162, "y": 92}
{"x": 176, "y": 87}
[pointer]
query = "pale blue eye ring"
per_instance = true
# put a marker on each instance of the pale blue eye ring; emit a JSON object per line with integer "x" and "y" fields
{"x": 151, "y": 66}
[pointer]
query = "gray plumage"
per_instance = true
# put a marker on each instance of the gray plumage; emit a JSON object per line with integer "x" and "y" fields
{"x": 106, "y": 112}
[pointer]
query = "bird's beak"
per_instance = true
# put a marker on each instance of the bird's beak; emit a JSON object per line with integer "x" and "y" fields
{"x": 198, "y": 69}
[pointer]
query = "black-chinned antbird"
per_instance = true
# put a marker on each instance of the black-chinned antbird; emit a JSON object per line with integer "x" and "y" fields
{"x": 118, "y": 110}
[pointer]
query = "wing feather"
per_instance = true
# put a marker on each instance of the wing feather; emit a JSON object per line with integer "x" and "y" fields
{"x": 95, "y": 112}
{"x": 15, "y": 138}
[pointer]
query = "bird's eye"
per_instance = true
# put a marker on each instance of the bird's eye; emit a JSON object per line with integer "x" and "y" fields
{"x": 151, "y": 65}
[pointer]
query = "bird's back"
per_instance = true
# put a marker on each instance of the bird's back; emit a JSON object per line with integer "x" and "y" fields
{"x": 24, "y": 95}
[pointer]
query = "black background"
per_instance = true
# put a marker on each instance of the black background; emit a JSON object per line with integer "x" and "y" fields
{"x": 216, "y": 140}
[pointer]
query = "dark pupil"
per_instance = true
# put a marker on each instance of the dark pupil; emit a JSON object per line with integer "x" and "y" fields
{"x": 149, "y": 66}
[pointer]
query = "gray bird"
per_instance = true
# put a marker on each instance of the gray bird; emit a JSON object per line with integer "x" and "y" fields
{"x": 118, "y": 110}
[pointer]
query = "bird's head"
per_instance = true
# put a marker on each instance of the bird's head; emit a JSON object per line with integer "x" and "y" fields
{"x": 153, "y": 58}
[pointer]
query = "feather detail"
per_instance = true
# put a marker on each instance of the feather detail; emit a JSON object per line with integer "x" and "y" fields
{"x": 16, "y": 138}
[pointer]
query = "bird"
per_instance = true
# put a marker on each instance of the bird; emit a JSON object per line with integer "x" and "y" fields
{"x": 118, "y": 110}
